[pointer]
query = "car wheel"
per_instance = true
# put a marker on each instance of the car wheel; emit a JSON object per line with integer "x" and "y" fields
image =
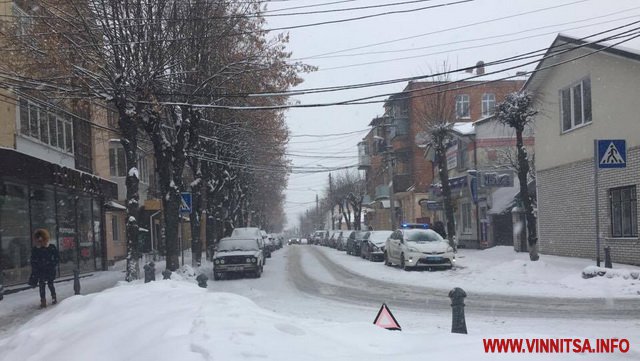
{"x": 386, "y": 260}
{"x": 403, "y": 265}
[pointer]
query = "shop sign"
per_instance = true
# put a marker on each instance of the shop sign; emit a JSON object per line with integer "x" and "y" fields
{"x": 452, "y": 157}
{"x": 72, "y": 179}
{"x": 497, "y": 179}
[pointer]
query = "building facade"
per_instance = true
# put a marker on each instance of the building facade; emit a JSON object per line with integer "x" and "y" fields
{"x": 584, "y": 99}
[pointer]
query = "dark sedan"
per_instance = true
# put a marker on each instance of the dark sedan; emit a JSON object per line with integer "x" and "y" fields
{"x": 373, "y": 245}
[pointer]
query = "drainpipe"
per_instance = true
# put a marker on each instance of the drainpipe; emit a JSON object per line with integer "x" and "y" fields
{"x": 475, "y": 166}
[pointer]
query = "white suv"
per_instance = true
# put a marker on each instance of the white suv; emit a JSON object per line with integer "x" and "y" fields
{"x": 418, "y": 248}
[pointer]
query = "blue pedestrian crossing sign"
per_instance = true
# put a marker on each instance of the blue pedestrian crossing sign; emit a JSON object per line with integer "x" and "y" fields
{"x": 185, "y": 203}
{"x": 612, "y": 153}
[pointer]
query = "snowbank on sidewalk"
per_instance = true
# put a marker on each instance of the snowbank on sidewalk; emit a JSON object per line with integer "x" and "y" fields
{"x": 176, "y": 320}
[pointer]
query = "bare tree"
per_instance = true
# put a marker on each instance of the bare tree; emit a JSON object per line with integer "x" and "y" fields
{"x": 436, "y": 114}
{"x": 517, "y": 112}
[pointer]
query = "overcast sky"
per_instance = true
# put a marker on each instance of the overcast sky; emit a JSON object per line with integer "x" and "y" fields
{"x": 458, "y": 34}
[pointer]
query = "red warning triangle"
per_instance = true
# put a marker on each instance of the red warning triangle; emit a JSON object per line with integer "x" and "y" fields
{"x": 386, "y": 320}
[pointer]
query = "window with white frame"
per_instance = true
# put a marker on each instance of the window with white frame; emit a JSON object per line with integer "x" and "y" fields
{"x": 462, "y": 106}
{"x": 117, "y": 160}
{"x": 143, "y": 168}
{"x": 623, "y": 208}
{"x": 575, "y": 105}
{"x": 48, "y": 126}
{"x": 466, "y": 217}
{"x": 488, "y": 104}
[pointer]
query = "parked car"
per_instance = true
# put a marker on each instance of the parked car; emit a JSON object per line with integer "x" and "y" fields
{"x": 237, "y": 256}
{"x": 341, "y": 241}
{"x": 267, "y": 244}
{"x": 418, "y": 248}
{"x": 253, "y": 233}
{"x": 354, "y": 241}
{"x": 373, "y": 245}
{"x": 333, "y": 239}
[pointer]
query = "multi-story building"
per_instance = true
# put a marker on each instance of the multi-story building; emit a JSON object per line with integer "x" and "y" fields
{"x": 391, "y": 152}
{"x": 586, "y": 94}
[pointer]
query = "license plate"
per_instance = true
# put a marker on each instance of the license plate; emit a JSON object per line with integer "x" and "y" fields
{"x": 235, "y": 268}
{"x": 434, "y": 259}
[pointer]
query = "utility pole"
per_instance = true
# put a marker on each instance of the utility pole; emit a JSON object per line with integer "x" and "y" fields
{"x": 392, "y": 201}
{"x": 333, "y": 224}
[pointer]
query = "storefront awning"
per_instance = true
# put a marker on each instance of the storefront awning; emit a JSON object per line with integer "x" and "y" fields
{"x": 115, "y": 206}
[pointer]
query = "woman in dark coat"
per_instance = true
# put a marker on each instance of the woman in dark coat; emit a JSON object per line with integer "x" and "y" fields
{"x": 44, "y": 262}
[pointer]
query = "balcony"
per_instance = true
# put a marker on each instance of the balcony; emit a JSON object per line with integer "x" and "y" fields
{"x": 364, "y": 159}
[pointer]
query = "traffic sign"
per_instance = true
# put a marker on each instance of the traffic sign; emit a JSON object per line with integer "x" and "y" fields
{"x": 612, "y": 153}
{"x": 185, "y": 203}
{"x": 386, "y": 320}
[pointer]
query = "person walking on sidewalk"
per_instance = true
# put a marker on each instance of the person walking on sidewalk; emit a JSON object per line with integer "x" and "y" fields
{"x": 44, "y": 262}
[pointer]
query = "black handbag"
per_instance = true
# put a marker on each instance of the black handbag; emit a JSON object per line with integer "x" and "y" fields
{"x": 33, "y": 280}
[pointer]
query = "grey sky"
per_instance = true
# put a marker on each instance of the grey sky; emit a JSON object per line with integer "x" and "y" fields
{"x": 427, "y": 52}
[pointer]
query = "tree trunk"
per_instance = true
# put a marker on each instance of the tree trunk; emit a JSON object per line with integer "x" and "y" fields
{"x": 129, "y": 142}
{"x": 195, "y": 218}
{"x": 523, "y": 172}
{"x": 443, "y": 173}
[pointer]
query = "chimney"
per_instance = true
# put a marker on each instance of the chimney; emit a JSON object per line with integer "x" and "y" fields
{"x": 480, "y": 68}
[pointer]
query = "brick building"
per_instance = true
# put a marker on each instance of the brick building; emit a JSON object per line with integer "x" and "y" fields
{"x": 394, "y": 137}
{"x": 580, "y": 100}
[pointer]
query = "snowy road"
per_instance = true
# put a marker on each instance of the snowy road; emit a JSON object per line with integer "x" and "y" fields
{"x": 346, "y": 286}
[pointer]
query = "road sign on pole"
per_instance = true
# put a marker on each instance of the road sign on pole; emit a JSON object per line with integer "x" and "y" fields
{"x": 185, "y": 203}
{"x": 612, "y": 153}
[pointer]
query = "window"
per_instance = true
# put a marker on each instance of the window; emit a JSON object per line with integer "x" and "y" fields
{"x": 117, "y": 162}
{"x": 488, "y": 104}
{"x": 466, "y": 217}
{"x": 143, "y": 168}
{"x": 624, "y": 219}
{"x": 575, "y": 105}
{"x": 462, "y": 106}
{"x": 49, "y": 127}
{"x": 115, "y": 228}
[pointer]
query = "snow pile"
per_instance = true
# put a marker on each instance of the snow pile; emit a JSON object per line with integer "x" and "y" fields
{"x": 176, "y": 320}
{"x": 501, "y": 270}
{"x": 593, "y": 271}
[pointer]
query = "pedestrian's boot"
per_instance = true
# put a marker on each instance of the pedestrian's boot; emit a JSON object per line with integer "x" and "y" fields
{"x": 43, "y": 303}
{"x": 54, "y": 300}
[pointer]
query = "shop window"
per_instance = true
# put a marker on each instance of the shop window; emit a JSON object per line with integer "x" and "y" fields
{"x": 115, "y": 228}
{"x": 15, "y": 233}
{"x": 67, "y": 242}
{"x": 97, "y": 234}
{"x": 466, "y": 217}
{"x": 43, "y": 211}
{"x": 85, "y": 235}
{"x": 624, "y": 208}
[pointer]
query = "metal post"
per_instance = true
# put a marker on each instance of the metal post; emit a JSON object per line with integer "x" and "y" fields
{"x": 202, "y": 280}
{"x": 76, "y": 281}
{"x": 607, "y": 257}
{"x": 166, "y": 274}
{"x": 392, "y": 200}
{"x": 458, "y": 323}
{"x": 181, "y": 239}
{"x": 1, "y": 286}
{"x": 597, "y": 208}
{"x": 151, "y": 227}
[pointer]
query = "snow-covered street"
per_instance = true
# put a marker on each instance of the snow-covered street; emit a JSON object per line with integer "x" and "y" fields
{"x": 296, "y": 312}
